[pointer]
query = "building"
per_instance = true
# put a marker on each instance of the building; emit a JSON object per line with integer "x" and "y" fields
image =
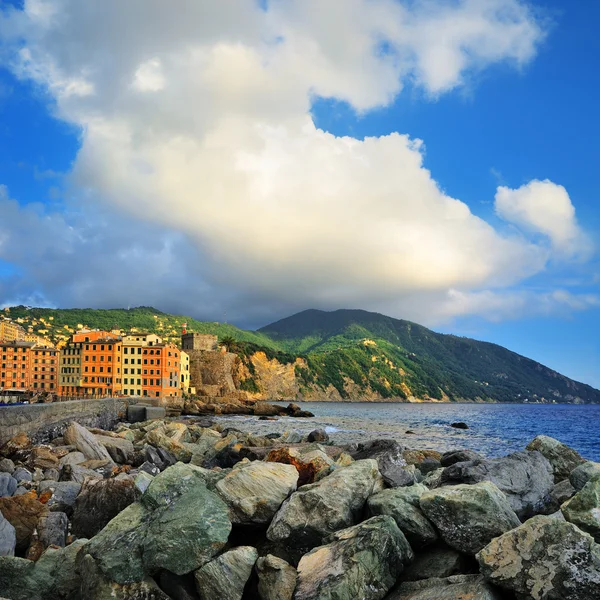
{"x": 26, "y": 366}
{"x": 133, "y": 367}
{"x": 199, "y": 341}
{"x": 10, "y": 331}
{"x": 184, "y": 373}
{"x": 44, "y": 369}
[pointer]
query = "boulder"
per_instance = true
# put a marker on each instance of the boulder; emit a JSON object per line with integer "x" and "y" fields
{"x": 437, "y": 561}
{"x": 227, "y": 575}
{"x": 8, "y": 537}
{"x": 276, "y": 578}
{"x": 583, "y": 473}
{"x": 455, "y": 456}
{"x": 8, "y": 485}
{"x": 51, "y": 475}
{"x": 63, "y": 494}
{"x": 433, "y": 479}
{"x": 254, "y": 491}
{"x": 142, "y": 481}
{"x": 78, "y": 474}
{"x": 318, "y": 435}
{"x": 469, "y": 516}
{"x": 18, "y": 443}
{"x": 159, "y": 439}
{"x": 85, "y": 442}
{"x": 53, "y": 529}
{"x": 562, "y": 458}
{"x": 388, "y": 454}
{"x": 544, "y": 559}
{"x": 583, "y": 509}
{"x": 456, "y": 587}
{"x": 42, "y": 457}
{"x": 6, "y": 465}
{"x": 121, "y": 450}
{"x": 402, "y": 504}
{"x": 317, "y": 510}
{"x": 525, "y": 477}
{"x": 99, "y": 501}
{"x": 73, "y": 458}
{"x": 310, "y": 461}
{"x": 363, "y": 562}
{"x": 459, "y": 425}
{"x": 559, "y": 494}
{"x": 22, "y": 474}
{"x": 23, "y": 513}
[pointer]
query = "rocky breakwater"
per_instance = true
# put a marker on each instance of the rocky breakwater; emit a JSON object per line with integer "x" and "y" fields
{"x": 190, "y": 510}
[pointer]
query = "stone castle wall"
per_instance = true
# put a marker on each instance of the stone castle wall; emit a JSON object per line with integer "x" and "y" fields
{"x": 43, "y": 422}
{"x": 198, "y": 341}
{"x": 213, "y": 369}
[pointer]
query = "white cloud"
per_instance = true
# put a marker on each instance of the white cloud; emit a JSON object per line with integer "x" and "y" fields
{"x": 544, "y": 207}
{"x": 196, "y": 126}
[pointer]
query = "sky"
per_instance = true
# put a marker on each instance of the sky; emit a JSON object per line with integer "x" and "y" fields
{"x": 432, "y": 160}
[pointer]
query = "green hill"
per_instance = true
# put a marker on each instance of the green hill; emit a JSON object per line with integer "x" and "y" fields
{"x": 353, "y": 353}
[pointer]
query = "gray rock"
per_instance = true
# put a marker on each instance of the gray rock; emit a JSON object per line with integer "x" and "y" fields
{"x": 583, "y": 509}
{"x": 559, "y": 494}
{"x": 583, "y": 473}
{"x": 73, "y": 458}
{"x": 142, "y": 481}
{"x": 544, "y": 559}
{"x": 317, "y": 510}
{"x": 363, "y": 562}
{"x": 150, "y": 468}
{"x": 8, "y": 537}
{"x": 455, "y": 456}
{"x": 6, "y": 465}
{"x": 433, "y": 479}
{"x": 438, "y": 561}
{"x": 85, "y": 442}
{"x": 562, "y": 458}
{"x": 53, "y": 528}
{"x": 121, "y": 450}
{"x": 469, "y": 516}
{"x": 276, "y": 578}
{"x": 51, "y": 475}
{"x": 255, "y": 490}
{"x": 391, "y": 463}
{"x": 22, "y": 474}
{"x": 318, "y": 435}
{"x": 402, "y": 504}
{"x": 64, "y": 494}
{"x": 8, "y": 485}
{"x": 78, "y": 474}
{"x": 456, "y": 587}
{"x": 525, "y": 477}
{"x": 227, "y": 575}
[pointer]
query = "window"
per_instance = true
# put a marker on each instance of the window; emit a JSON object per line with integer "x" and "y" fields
{"x": 94, "y": 347}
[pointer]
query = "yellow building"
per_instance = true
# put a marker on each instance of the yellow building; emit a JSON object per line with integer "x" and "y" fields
{"x": 133, "y": 362}
{"x": 184, "y": 374}
{"x": 11, "y": 332}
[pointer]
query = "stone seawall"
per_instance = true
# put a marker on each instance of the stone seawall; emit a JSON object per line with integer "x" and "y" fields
{"x": 43, "y": 422}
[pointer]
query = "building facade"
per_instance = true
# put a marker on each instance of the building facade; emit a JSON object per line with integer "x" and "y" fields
{"x": 26, "y": 366}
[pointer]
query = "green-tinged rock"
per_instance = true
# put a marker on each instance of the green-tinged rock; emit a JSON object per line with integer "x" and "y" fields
{"x": 142, "y": 481}
{"x": 363, "y": 562}
{"x": 159, "y": 439}
{"x": 402, "y": 504}
{"x": 254, "y": 491}
{"x": 583, "y": 509}
{"x": 117, "y": 549}
{"x": 315, "y": 511}
{"x": 583, "y": 473}
{"x": 276, "y": 578}
{"x": 437, "y": 562}
{"x": 457, "y": 587}
{"x": 469, "y": 516}
{"x": 188, "y": 533}
{"x": 544, "y": 559}
{"x": 562, "y": 458}
{"x": 227, "y": 575}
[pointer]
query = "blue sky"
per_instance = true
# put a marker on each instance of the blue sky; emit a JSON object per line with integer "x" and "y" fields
{"x": 111, "y": 196}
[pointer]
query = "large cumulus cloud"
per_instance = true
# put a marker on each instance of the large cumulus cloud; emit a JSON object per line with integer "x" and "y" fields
{"x": 195, "y": 125}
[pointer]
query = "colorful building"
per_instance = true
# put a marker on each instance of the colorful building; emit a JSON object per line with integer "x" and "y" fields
{"x": 26, "y": 366}
{"x": 10, "y": 331}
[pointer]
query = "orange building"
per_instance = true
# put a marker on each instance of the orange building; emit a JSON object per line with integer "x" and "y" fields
{"x": 44, "y": 369}
{"x": 26, "y": 366}
{"x": 161, "y": 369}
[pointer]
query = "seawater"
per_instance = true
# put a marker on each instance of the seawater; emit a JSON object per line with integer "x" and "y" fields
{"x": 494, "y": 429}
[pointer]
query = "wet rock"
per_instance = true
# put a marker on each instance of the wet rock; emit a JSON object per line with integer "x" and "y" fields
{"x": 22, "y": 474}
{"x": 64, "y": 494}
{"x": 583, "y": 509}
{"x": 459, "y": 425}
{"x": 149, "y": 468}
{"x": 16, "y": 444}
{"x": 310, "y": 461}
{"x": 120, "y": 450}
{"x": 276, "y": 578}
{"x": 457, "y": 587}
{"x": 6, "y": 465}
{"x": 43, "y": 458}
{"x": 227, "y": 575}
{"x": 99, "y": 501}
{"x": 544, "y": 559}
{"x": 53, "y": 529}
{"x": 455, "y": 456}
{"x": 469, "y": 516}
{"x": 562, "y": 458}
{"x": 359, "y": 562}
{"x": 8, "y": 485}
{"x": 388, "y": 454}
{"x": 317, "y": 510}
{"x": 85, "y": 442}
{"x": 8, "y": 537}
{"x": 583, "y": 473}
{"x": 438, "y": 561}
{"x": 525, "y": 477}
{"x": 23, "y": 513}
{"x": 255, "y": 491}
{"x": 402, "y": 504}
{"x": 318, "y": 435}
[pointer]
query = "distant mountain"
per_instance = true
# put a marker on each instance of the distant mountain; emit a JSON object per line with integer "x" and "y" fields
{"x": 344, "y": 354}
{"x": 391, "y": 355}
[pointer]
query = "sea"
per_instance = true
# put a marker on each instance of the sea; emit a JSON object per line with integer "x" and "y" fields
{"x": 493, "y": 429}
